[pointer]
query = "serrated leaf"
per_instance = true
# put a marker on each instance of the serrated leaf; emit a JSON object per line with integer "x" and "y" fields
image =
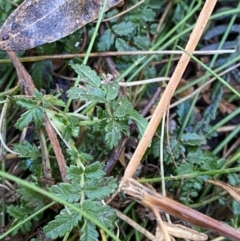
{"x": 93, "y": 94}
{"x": 103, "y": 213}
{"x": 122, "y": 108}
{"x": 63, "y": 223}
{"x": 25, "y": 102}
{"x": 112, "y": 90}
{"x": 121, "y": 45}
{"x": 113, "y": 134}
{"x": 66, "y": 191}
{"x": 19, "y": 214}
{"x": 100, "y": 188}
{"x": 89, "y": 232}
{"x": 90, "y": 94}
{"x": 35, "y": 114}
{"x": 195, "y": 156}
{"x": 74, "y": 173}
{"x": 185, "y": 168}
{"x": 16, "y": 212}
{"x": 24, "y": 120}
{"x": 106, "y": 40}
{"x": 123, "y": 28}
{"x": 142, "y": 42}
{"x": 148, "y": 15}
{"x": 25, "y": 149}
{"x": 37, "y": 94}
{"x": 87, "y": 74}
{"x": 53, "y": 100}
{"x": 182, "y": 111}
{"x": 193, "y": 139}
{"x": 94, "y": 171}
{"x": 79, "y": 155}
{"x": 140, "y": 121}
{"x": 31, "y": 199}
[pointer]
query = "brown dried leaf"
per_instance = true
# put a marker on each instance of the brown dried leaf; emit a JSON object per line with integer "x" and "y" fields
{"x": 37, "y": 22}
{"x": 185, "y": 92}
{"x": 180, "y": 231}
{"x": 233, "y": 191}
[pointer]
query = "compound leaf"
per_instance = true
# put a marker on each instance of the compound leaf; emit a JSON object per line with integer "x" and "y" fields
{"x": 89, "y": 232}
{"x": 64, "y": 222}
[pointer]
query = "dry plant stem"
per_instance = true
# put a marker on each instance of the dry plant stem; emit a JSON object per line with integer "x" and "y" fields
{"x": 171, "y": 87}
{"x": 155, "y": 201}
{"x": 26, "y": 82}
{"x": 121, "y": 53}
{"x": 134, "y": 225}
{"x": 161, "y": 225}
{"x": 166, "y": 10}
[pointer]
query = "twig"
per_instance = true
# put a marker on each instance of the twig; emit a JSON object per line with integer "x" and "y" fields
{"x": 26, "y": 82}
{"x": 155, "y": 201}
{"x": 171, "y": 87}
{"x": 122, "y": 53}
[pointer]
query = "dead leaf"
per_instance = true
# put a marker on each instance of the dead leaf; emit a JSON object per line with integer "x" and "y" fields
{"x": 233, "y": 191}
{"x": 37, "y": 22}
{"x": 180, "y": 231}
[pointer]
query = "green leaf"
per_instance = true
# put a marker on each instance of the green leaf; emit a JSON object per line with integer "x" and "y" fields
{"x": 236, "y": 208}
{"x": 19, "y": 214}
{"x": 42, "y": 73}
{"x": 100, "y": 188}
{"x": 123, "y": 28}
{"x": 31, "y": 199}
{"x": 94, "y": 171}
{"x": 25, "y": 102}
{"x": 103, "y": 213}
{"x": 88, "y": 94}
{"x": 140, "y": 121}
{"x": 185, "y": 168}
{"x": 148, "y": 15}
{"x": 25, "y": 149}
{"x": 195, "y": 156}
{"x": 49, "y": 100}
{"x": 87, "y": 74}
{"x": 210, "y": 112}
{"x": 72, "y": 42}
{"x": 63, "y": 223}
{"x": 121, "y": 45}
{"x": 142, "y": 42}
{"x": 113, "y": 133}
{"x": 193, "y": 139}
{"x": 106, "y": 40}
{"x": 37, "y": 94}
{"x": 89, "y": 232}
{"x": 66, "y": 191}
{"x": 35, "y": 114}
{"x": 112, "y": 90}
{"x": 79, "y": 155}
{"x": 211, "y": 162}
{"x": 74, "y": 173}
{"x": 183, "y": 110}
{"x": 122, "y": 108}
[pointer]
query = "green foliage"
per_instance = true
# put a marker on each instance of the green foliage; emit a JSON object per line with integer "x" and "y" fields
{"x": 63, "y": 223}
{"x": 89, "y": 232}
{"x": 119, "y": 111}
{"x": 30, "y": 202}
{"x": 35, "y": 108}
{"x": 42, "y": 74}
{"x": 86, "y": 188}
{"x": 26, "y": 149}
